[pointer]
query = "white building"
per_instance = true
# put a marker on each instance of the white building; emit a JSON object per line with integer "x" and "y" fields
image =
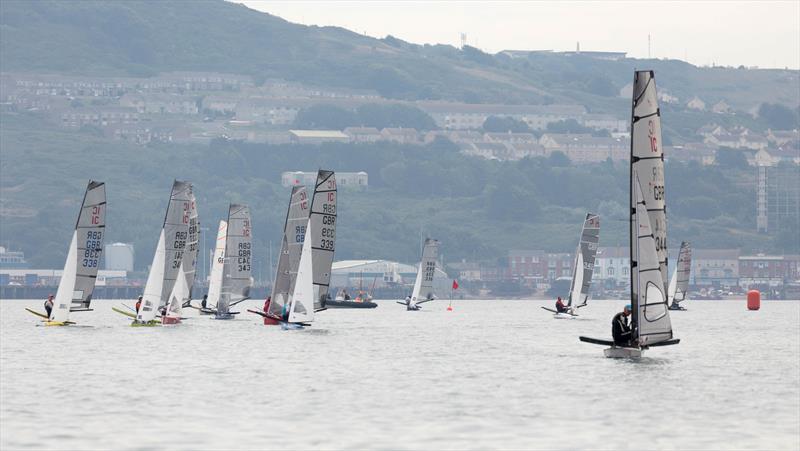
{"x": 119, "y": 257}
{"x": 613, "y": 263}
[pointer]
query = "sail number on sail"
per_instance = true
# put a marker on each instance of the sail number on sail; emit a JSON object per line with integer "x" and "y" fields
{"x": 179, "y": 245}
{"x": 430, "y": 270}
{"x": 94, "y": 243}
{"x": 243, "y": 259}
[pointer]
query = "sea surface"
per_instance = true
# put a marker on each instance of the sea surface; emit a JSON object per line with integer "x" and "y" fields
{"x": 488, "y": 375}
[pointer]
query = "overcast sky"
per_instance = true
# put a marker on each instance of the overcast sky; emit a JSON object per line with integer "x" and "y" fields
{"x": 753, "y": 33}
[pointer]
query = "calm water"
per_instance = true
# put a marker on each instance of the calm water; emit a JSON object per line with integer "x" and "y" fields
{"x": 491, "y": 374}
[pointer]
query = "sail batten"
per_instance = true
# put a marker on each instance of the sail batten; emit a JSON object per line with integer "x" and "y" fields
{"x": 83, "y": 256}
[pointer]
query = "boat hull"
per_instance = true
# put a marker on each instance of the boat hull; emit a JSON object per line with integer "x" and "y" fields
{"x": 151, "y": 323}
{"x": 56, "y": 323}
{"x": 170, "y": 320}
{"x": 224, "y": 316}
{"x": 615, "y": 352}
{"x": 291, "y": 326}
{"x": 350, "y": 304}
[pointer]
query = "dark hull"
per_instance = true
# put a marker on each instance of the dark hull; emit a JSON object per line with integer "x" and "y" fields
{"x": 350, "y": 304}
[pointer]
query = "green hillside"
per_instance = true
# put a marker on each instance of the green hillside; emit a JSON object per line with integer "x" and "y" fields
{"x": 478, "y": 208}
{"x": 143, "y": 38}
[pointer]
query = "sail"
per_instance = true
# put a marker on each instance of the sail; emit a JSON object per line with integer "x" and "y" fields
{"x": 189, "y": 261}
{"x": 650, "y": 319}
{"x": 423, "y": 286}
{"x": 647, "y": 159}
{"x": 301, "y": 306}
{"x": 322, "y": 229}
{"x": 176, "y": 234}
{"x": 584, "y": 261}
{"x": 236, "y": 279}
{"x": 180, "y": 293}
{"x": 83, "y": 257}
{"x": 294, "y": 231}
{"x": 151, "y": 298}
{"x": 215, "y": 281}
{"x": 169, "y": 252}
{"x": 679, "y": 284}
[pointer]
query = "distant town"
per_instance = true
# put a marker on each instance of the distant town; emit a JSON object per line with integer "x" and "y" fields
{"x": 185, "y": 107}
{"x": 715, "y": 274}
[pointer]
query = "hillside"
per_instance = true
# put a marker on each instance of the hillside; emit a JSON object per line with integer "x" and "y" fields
{"x": 142, "y": 38}
{"x": 478, "y": 208}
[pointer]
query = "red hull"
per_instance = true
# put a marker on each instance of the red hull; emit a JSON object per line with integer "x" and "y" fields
{"x": 170, "y": 320}
{"x": 270, "y": 321}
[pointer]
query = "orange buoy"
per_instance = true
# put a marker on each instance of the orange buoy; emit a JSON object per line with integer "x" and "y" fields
{"x": 753, "y": 300}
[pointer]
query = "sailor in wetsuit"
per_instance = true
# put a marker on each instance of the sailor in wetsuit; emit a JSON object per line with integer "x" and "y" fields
{"x": 620, "y": 329}
{"x": 560, "y": 307}
{"x": 203, "y": 302}
{"x": 48, "y": 305}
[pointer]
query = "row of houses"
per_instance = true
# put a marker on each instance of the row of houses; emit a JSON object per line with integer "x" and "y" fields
{"x": 716, "y": 268}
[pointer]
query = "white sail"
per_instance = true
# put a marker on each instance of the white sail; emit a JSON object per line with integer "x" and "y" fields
{"x": 169, "y": 253}
{"x": 189, "y": 261}
{"x": 650, "y": 319}
{"x": 180, "y": 294}
{"x": 83, "y": 257}
{"x": 647, "y": 159}
{"x": 151, "y": 298}
{"x": 322, "y": 232}
{"x": 301, "y": 306}
{"x": 294, "y": 232}
{"x": 236, "y": 279}
{"x": 584, "y": 261}
{"x": 423, "y": 285}
{"x": 679, "y": 284}
{"x": 215, "y": 281}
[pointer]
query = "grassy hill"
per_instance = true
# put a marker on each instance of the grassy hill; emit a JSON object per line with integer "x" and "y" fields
{"x": 142, "y": 38}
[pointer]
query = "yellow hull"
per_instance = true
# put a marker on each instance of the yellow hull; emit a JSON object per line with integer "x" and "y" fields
{"x": 151, "y": 323}
{"x": 55, "y": 323}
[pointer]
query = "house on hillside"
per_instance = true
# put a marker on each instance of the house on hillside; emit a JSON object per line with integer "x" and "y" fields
{"x": 317, "y": 136}
{"x": 160, "y": 103}
{"x": 605, "y": 122}
{"x": 696, "y": 104}
{"x": 721, "y": 107}
{"x": 400, "y": 135}
{"x": 781, "y": 137}
{"x": 510, "y": 137}
{"x": 584, "y": 148}
{"x": 363, "y": 134}
{"x": 468, "y": 116}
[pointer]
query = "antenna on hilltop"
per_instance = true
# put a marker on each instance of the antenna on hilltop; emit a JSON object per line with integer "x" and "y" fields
{"x": 463, "y": 40}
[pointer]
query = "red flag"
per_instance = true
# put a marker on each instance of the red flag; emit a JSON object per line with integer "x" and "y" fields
{"x": 455, "y": 284}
